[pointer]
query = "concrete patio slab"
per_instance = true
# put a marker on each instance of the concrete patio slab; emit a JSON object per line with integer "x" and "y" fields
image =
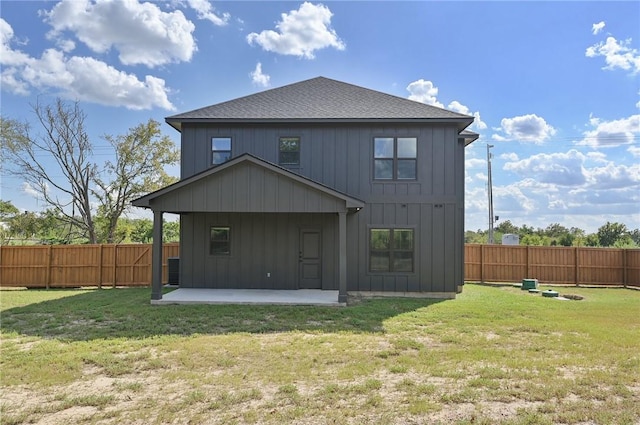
{"x": 250, "y": 296}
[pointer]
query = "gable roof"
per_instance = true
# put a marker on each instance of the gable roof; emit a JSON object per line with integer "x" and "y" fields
{"x": 320, "y": 100}
{"x": 268, "y": 188}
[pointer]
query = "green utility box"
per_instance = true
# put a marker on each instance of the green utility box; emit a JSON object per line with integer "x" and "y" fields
{"x": 529, "y": 284}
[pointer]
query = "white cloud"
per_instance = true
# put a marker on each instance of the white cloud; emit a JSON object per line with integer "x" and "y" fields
{"x": 596, "y": 28}
{"x": 81, "y": 78}
{"x": 300, "y": 32}
{"x": 29, "y": 190}
{"x": 616, "y": 54}
{"x": 66, "y": 45}
{"x": 481, "y": 177}
{"x": 634, "y": 151}
{"x": 597, "y": 157}
{"x": 8, "y": 56}
{"x": 513, "y": 198}
{"x": 258, "y": 77}
{"x": 609, "y": 193}
{"x": 572, "y": 170}
{"x": 205, "y": 10}
{"x": 478, "y": 124}
{"x": 613, "y": 176}
{"x": 140, "y": 32}
{"x": 475, "y": 162}
{"x": 611, "y": 133}
{"x": 512, "y": 156}
{"x": 424, "y": 91}
{"x": 525, "y": 128}
{"x": 564, "y": 169}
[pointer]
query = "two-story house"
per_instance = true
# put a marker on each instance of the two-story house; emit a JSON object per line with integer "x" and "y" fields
{"x": 320, "y": 185}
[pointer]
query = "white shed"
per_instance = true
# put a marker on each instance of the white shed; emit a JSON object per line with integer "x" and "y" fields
{"x": 510, "y": 239}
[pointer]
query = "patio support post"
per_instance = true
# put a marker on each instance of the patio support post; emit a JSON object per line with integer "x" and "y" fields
{"x": 342, "y": 257}
{"x": 156, "y": 257}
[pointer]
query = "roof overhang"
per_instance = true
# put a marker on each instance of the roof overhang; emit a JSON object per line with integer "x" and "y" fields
{"x": 460, "y": 123}
{"x": 469, "y": 137}
{"x": 247, "y": 183}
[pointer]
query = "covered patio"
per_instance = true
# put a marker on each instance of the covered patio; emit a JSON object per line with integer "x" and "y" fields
{"x": 250, "y": 296}
{"x": 241, "y": 186}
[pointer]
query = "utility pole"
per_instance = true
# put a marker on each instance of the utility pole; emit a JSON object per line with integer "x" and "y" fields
{"x": 490, "y": 194}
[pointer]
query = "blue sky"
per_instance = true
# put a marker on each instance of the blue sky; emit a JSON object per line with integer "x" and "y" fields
{"x": 554, "y": 86}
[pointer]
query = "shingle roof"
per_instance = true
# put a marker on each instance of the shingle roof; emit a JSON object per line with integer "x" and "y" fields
{"x": 319, "y": 99}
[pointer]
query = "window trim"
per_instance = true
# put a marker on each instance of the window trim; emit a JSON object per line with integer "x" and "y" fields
{"x": 391, "y": 249}
{"x": 214, "y": 151}
{"x": 395, "y": 160}
{"x": 289, "y": 164}
{"x": 228, "y": 241}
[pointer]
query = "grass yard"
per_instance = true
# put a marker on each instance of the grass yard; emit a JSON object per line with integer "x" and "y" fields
{"x": 495, "y": 355}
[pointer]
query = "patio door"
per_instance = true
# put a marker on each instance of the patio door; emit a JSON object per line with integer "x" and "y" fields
{"x": 310, "y": 259}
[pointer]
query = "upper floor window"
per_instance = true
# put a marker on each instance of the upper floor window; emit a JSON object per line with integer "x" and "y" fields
{"x": 394, "y": 158}
{"x": 289, "y": 151}
{"x": 220, "y": 150}
{"x": 391, "y": 250}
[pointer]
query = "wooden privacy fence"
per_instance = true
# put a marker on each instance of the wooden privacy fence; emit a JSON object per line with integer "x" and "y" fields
{"x": 130, "y": 265}
{"x": 557, "y": 265}
{"x": 59, "y": 266}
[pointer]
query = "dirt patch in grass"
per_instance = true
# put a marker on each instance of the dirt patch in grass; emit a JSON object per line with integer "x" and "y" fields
{"x": 490, "y": 357}
{"x": 385, "y": 397}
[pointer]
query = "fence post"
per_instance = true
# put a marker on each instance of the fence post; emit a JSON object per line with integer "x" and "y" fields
{"x": 576, "y": 266}
{"x": 481, "y": 263}
{"x": 48, "y": 269}
{"x": 528, "y": 276}
{"x": 115, "y": 264}
{"x": 100, "y": 266}
{"x": 624, "y": 266}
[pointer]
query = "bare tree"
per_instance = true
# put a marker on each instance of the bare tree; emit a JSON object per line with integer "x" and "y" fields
{"x": 58, "y": 164}
{"x": 64, "y": 180}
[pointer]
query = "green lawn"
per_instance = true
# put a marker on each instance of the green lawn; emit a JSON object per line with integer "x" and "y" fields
{"x": 493, "y": 355}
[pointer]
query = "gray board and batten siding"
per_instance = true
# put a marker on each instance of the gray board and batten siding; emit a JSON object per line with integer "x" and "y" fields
{"x": 341, "y": 157}
{"x": 278, "y": 216}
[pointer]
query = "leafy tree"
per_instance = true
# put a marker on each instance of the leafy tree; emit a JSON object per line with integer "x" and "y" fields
{"x": 535, "y": 239}
{"x": 555, "y": 230}
{"x": 566, "y": 240}
{"x": 54, "y": 230}
{"x": 171, "y": 231}
{"x": 592, "y": 240}
{"x": 138, "y": 168}
{"x": 526, "y": 230}
{"x": 7, "y": 210}
{"x": 635, "y": 236}
{"x": 142, "y": 231}
{"x": 610, "y": 233}
{"x": 475, "y": 237}
{"x": 24, "y": 226}
{"x": 625, "y": 242}
{"x": 507, "y": 227}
